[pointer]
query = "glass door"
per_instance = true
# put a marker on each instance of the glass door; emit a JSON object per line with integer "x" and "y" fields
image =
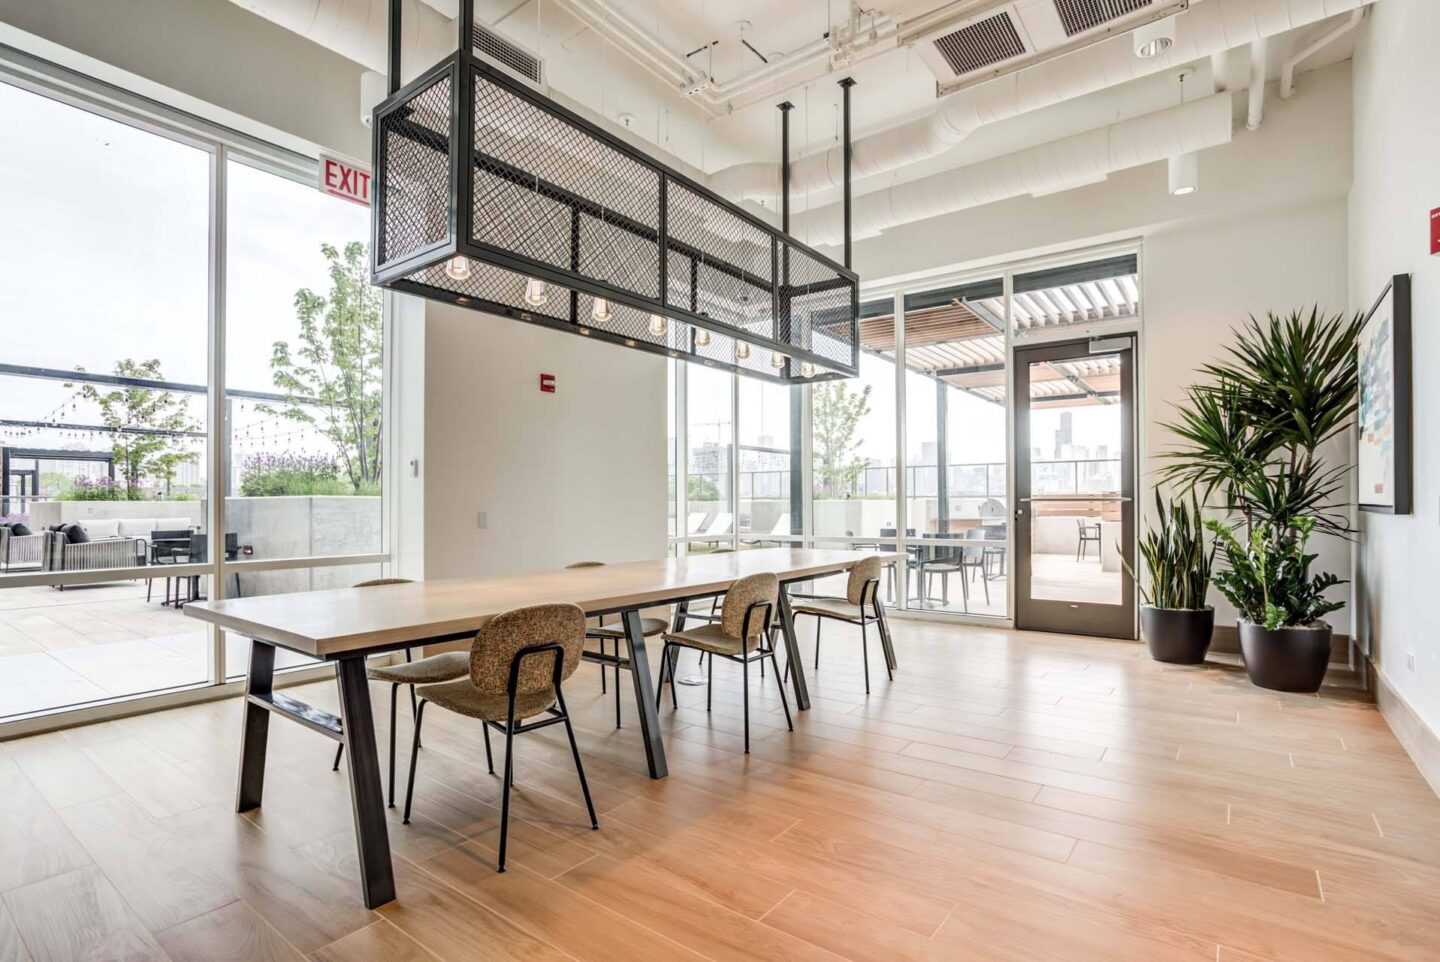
{"x": 1075, "y": 487}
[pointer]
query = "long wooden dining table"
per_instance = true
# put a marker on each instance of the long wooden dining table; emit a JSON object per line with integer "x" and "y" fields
{"x": 347, "y": 625}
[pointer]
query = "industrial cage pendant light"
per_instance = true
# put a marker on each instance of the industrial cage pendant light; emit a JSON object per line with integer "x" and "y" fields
{"x": 489, "y": 195}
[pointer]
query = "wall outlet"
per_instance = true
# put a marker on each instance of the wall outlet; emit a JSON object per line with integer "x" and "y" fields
{"x": 1410, "y": 660}
{"x": 482, "y": 520}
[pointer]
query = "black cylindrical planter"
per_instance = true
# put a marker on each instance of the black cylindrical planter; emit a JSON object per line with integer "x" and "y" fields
{"x": 1286, "y": 659}
{"x": 1180, "y": 636}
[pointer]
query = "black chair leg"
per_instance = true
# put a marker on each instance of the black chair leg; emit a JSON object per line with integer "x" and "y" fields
{"x": 709, "y": 683}
{"x": 745, "y": 686}
{"x": 394, "y": 696}
{"x": 509, "y": 782}
{"x": 674, "y": 659}
{"x": 660, "y": 682}
{"x": 602, "y": 664}
{"x": 579, "y": 768}
{"x": 865, "y": 654}
{"x": 414, "y": 757}
{"x": 617, "y": 686}
{"x": 339, "y": 750}
{"x": 489, "y": 759}
{"x": 818, "y": 622}
{"x": 784, "y": 703}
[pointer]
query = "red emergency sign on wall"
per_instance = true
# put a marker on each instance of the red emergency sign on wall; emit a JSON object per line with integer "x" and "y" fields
{"x": 348, "y": 181}
{"x": 547, "y": 383}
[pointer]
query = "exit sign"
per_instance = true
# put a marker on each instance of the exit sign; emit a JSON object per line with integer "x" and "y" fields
{"x": 345, "y": 180}
{"x": 1435, "y": 231}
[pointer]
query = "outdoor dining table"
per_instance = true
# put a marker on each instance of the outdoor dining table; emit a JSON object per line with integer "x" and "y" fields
{"x": 346, "y": 625}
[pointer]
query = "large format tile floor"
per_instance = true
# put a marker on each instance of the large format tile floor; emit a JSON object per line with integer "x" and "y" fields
{"x": 1007, "y": 797}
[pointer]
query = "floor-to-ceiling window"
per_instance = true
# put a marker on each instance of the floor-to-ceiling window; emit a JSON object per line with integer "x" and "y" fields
{"x": 917, "y": 463}
{"x": 137, "y": 254}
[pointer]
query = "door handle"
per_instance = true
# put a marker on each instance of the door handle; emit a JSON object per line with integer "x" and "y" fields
{"x": 1068, "y": 498}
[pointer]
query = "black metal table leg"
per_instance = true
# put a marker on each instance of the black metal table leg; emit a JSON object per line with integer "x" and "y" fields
{"x": 792, "y": 652}
{"x": 256, "y": 732}
{"x": 645, "y": 694}
{"x": 372, "y": 837}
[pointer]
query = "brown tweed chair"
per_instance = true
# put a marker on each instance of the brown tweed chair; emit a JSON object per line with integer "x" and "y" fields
{"x": 442, "y": 667}
{"x": 742, "y": 634}
{"x": 516, "y": 665}
{"x": 649, "y": 627}
{"x": 860, "y": 606}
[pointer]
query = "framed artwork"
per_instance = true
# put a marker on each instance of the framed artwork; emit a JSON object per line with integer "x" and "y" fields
{"x": 1383, "y": 459}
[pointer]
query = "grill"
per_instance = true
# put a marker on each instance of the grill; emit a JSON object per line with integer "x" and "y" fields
{"x": 980, "y": 44}
{"x": 509, "y": 193}
{"x": 497, "y": 48}
{"x": 1077, "y": 16}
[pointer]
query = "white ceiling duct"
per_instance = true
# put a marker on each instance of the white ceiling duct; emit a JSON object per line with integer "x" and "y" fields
{"x": 1085, "y": 158}
{"x": 1207, "y": 28}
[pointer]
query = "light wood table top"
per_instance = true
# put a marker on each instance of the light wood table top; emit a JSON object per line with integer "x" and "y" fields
{"x": 331, "y": 623}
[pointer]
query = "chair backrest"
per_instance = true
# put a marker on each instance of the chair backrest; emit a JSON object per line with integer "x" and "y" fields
{"x": 169, "y": 534}
{"x": 721, "y": 524}
{"x": 860, "y": 573}
{"x": 744, "y": 593}
{"x": 199, "y": 547}
{"x": 377, "y": 582}
{"x": 505, "y": 635}
{"x": 693, "y": 520}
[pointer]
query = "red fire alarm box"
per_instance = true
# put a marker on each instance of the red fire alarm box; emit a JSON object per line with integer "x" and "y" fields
{"x": 1435, "y": 231}
{"x": 547, "y": 383}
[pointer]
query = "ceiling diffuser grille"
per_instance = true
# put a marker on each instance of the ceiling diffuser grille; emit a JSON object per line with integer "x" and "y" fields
{"x": 980, "y": 44}
{"x": 503, "y": 52}
{"x": 1077, "y": 16}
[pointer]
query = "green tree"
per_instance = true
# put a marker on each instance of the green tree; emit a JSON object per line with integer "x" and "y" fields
{"x": 332, "y": 377}
{"x": 837, "y": 415}
{"x": 146, "y": 425}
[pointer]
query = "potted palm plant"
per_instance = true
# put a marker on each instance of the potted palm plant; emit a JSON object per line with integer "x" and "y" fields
{"x": 1174, "y": 618}
{"x": 1252, "y": 441}
{"x": 1285, "y": 643}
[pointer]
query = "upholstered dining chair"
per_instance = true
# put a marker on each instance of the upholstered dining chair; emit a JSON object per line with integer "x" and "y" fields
{"x": 860, "y": 606}
{"x": 649, "y": 627}
{"x": 445, "y": 666}
{"x": 516, "y": 666}
{"x": 742, "y": 634}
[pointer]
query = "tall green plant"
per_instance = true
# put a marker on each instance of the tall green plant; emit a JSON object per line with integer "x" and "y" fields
{"x": 1177, "y": 565}
{"x": 1253, "y": 434}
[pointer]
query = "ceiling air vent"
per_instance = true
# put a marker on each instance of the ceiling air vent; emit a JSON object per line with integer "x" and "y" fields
{"x": 980, "y": 44}
{"x": 517, "y": 60}
{"x": 1077, "y": 16}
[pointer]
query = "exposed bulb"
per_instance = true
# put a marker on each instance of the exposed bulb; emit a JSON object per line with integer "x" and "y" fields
{"x": 742, "y": 351}
{"x": 807, "y": 369}
{"x": 601, "y": 310}
{"x": 658, "y": 325}
{"x": 702, "y": 337}
{"x": 457, "y": 268}
{"x": 535, "y": 294}
{"x": 777, "y": 360}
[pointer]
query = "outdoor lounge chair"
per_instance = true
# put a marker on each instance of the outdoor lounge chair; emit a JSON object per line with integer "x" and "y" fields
{"x": 21, "y": 550}
{"x": 718, "y": 528}
{"x": 69, "y": 551}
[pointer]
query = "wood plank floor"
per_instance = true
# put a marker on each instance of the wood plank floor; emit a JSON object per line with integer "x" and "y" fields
{"x": 1008, "y": 796}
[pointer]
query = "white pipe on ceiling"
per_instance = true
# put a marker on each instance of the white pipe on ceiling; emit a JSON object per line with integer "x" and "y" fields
{"x": 1255, "y": 112}
{"x": 1205, "y": 29}
{"x": 1085, "y": 158}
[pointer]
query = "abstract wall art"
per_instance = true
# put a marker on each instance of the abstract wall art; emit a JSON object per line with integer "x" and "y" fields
{"x": 1383, "y": 457}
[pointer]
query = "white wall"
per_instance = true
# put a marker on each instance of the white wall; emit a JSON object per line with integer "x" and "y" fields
{"x": 1397, "y": 182}
{"x": 570, "y": 476}
{"x": 1203, "y": 279}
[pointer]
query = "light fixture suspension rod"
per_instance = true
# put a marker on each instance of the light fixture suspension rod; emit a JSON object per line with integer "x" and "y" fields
{"x": 785, "y": 109}
{"x": 845, "y": 86}
{"x": 393, "y": 53}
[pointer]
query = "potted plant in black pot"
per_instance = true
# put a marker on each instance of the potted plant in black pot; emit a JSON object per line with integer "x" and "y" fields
{"x": 1252, "y": 438}
{"x": 1285, "y": 644}
{"x": 1174, "y": 618}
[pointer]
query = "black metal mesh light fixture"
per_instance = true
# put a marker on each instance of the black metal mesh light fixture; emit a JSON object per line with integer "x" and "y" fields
{"x": 489, "y": 195}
